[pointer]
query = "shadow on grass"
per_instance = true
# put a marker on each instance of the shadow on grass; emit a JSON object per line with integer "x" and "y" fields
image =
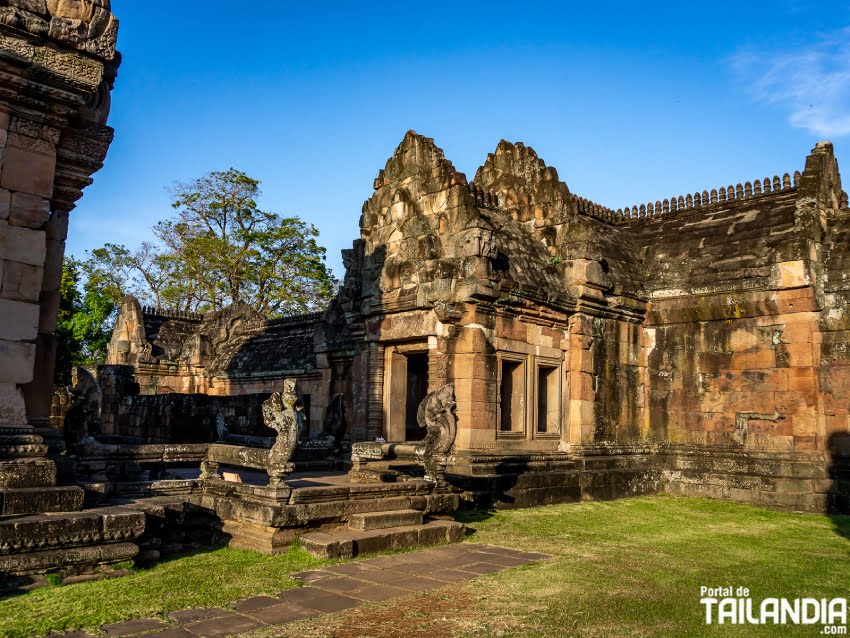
{"x": 470, "y": 517}
{"x": 488, "y": 493}
{"x": 14, "y": 586}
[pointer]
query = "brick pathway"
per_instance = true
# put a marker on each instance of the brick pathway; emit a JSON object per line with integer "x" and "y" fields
{"x": 330, "y": 590}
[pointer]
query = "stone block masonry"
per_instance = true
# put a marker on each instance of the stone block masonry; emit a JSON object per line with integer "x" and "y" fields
{"x": 697, "y": 344}
{"x": 57, "y": 67}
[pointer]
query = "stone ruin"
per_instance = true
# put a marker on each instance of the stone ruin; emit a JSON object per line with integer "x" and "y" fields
{"x": 694, "y": 345}
{"x": 502, "y": 341}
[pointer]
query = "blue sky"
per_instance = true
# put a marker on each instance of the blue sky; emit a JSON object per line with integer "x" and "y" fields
{"x": 630, "y": 101}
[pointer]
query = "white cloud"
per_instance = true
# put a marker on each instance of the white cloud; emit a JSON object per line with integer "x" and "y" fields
{"x": 812, "y": 81}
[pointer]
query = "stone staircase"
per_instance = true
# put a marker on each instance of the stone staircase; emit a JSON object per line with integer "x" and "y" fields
{"x": 378, "y": 531}
{"x": 67, "y": 543}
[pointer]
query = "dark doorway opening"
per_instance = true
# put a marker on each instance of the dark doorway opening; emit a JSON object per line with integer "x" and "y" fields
{"x": 417, "y": 388}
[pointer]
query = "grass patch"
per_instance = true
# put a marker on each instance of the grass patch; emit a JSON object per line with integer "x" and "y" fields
{"x": 634, "y": 567}
{"x": 215, "y": 577}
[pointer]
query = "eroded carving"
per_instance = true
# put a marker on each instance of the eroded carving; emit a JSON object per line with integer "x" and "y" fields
{"x": 83, "y": 417}
{"x": 280, "y": 412}
{"x": 436, "y": 415}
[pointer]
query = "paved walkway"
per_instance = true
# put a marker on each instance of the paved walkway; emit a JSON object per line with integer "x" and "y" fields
{"x": 330, "y": 590}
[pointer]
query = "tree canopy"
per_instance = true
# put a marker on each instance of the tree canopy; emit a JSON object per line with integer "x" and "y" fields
{"x": 84, "y": 324}
{"x": 220, "y": 248}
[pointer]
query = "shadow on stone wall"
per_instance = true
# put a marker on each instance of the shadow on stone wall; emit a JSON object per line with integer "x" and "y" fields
{"x": 838, "y": 498}
{"x": 183, "y": 418}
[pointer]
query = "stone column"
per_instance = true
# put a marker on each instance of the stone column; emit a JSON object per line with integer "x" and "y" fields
{"x": 57, "y": 66}
{"x": 582, "y": 395}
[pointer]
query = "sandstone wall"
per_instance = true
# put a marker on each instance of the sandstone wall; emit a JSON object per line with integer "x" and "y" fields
{"x": 58, "y": 64}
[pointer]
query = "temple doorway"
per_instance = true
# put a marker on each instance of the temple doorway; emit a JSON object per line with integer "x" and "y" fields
{"x": 406, "y": 383}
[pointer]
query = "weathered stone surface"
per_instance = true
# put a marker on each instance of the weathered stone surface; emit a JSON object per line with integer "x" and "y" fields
{"x": 22, "y": 244}
{"x": 436, "y": 415}
{"x": 280, "y": 414}
{"x": 20, "y": 320}
{"x": 40, "y": 500}
{"x": 25, "y": 473}
{"x": 57, "y": 227}
{"x": 5, "y": 203}
{"x": 27, "y": 171}
{"x": 17, "y": 361}
{"x": 48, "y": 301}
{"x": 54, "y": 254}
{"x": 131, "y": 627}
{"x": 345, "y": 544}
{"x": 21, "y": 282}
{"x": 74, "y": 558}
{"x": 382, "y": 520}
{"x": 12, "y": 409}
{"x": 589, "y": 350}
{"x": 28, "y": 210}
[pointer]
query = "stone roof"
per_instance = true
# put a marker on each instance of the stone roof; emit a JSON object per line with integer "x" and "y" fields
{"x": 429, "y": 236}
{"x": 233, "y": 342}
{"x": 276, "y": 348}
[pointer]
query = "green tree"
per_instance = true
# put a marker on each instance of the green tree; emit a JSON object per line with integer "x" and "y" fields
{"x": 222, "y": 249}
{"x": 86, "y": 315}
{"x": 218, "y": 250}
{"x": 116, "y": 271}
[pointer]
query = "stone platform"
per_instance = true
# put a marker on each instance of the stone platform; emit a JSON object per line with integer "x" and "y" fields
{"x": 67, "y": 543}
{"x": 255, "y": 516}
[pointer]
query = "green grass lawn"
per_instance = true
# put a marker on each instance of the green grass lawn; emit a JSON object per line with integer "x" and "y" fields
{"x": 632, "y": 567}
{"x": 199, "y": 580}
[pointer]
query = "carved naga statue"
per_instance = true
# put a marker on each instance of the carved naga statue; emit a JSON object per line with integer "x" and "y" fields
{"x": 83, "y": 418}
{"x": 335, "y": 423}
{"x": 436, "y": 414}
{"x": 280, "y": 412}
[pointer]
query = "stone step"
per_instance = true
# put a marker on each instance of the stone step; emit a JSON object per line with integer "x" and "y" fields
{"x": 66, "y": 558}
{"x": 68, "y": 529}
{"x": 383, "y": 520}
{"x": 27, "y": 473}
{"x": 350, "y": 543}
{"x": 39, "y": 500}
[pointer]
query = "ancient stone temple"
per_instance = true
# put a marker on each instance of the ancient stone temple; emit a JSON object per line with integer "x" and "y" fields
{"x": 692, "y": 345}
{"x": 57, "y": 67}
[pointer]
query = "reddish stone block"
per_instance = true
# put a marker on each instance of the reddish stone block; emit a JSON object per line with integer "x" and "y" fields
{"x": 801, "y": 379}
{"x": 804, "y": 425}
{"x": 798, "y": 332}
{"x": 807, "y": 443}
{"x": 755, "y": 359}
{"x": 779, "y": 427}
{"x": 581, "y": 361}
{"x": 580, "y": 342}
{"x": 21, "y": 282}
{"x": 799, "y": 354}
{"x": 693, "y": 421}
{"x": 714, "y": 362}
{"x": 795, "y": 402}
{"x": 28, "y": 171}
{"x": 582, "y": 387}
{"x": 718, "y": 421}
{"x": 770, "y": 380}
{"x": 29, "y": 211}
{"x": 798, "y": 300}
{"x": 761, "y": 402}
{"x": 836, "y": 423}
